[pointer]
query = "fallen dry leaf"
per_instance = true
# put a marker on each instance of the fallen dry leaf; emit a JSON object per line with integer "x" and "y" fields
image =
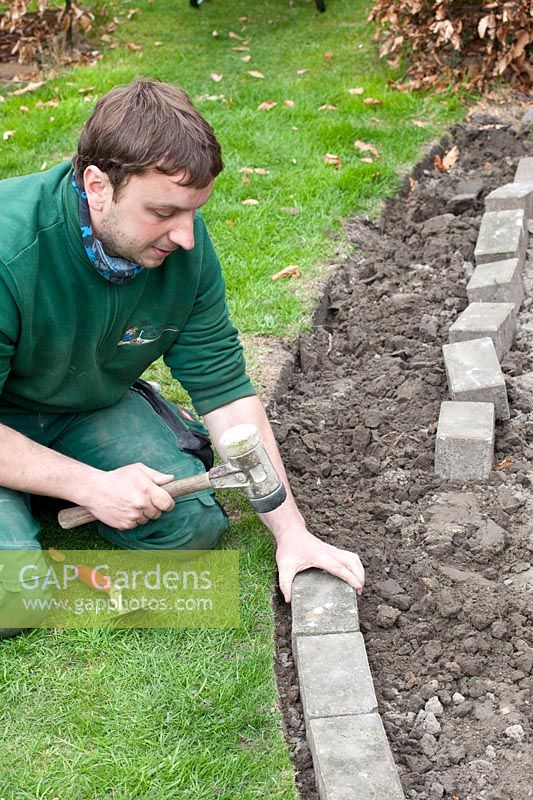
{"x": 292, "y": 210}
{"x": 30, "y": 87}
{"x": 367, "y": 160}
{"x": 243, "y": 48}
{"x": 134, "y": 47}
{"x": 446, "y": 163}
{"x": 412, "y": 185}
{"x": 53, "y": 103}
{"x": 246, "y": 59}
{"x": 246, "y": 170}
{"x": 8, "y": 135}
{"x": 233, "y": 35}
{"x": 2, "y": 98}
{"x": 327, "y": 108}
{"x": 131, "y": 13}
{"x": 56, "y": 555}
{"x": 215, "y": 76}
{"x": 292, "y": 271}
{"x": 366, "y": 147}
{"x": 372, "y": 101}
{"x": 244, "y": 19}
{"x": 336, "y": 161}
{"x": 25, "y": 109}
{"x": 419, "y": 123}
{"x": 503, "y": 464}
{"x": 356, "y": 90}
{"x": 266, "y": 106}
{"x": 246, "y": 180}
{"x": 261, "y": 171}
{"x": 289, "y": 103}
{"x": 255, "y": 74}
{"x": 328, "y": 56}
{"x": 301, "y": 71}
{"x": 230, "y": 223}
{"x": 43, "y": 166}
{"x": 158, "y": 44}
{"x": 250, "y": 202}
{"x": 86, "y": 89}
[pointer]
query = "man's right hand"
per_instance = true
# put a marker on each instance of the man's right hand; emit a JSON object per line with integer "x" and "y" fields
{"x": 129, "y": 496}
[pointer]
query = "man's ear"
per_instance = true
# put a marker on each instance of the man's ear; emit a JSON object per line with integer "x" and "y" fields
{"x": 98, "y": 188}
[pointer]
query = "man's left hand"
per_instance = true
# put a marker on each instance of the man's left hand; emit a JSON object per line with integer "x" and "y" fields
{"x": 297, "y": 551}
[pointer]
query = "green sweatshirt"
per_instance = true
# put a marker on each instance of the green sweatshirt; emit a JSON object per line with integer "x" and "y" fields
{"x": 72, "y": 341}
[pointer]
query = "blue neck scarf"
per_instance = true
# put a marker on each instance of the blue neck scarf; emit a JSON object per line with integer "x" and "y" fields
{"x": 113, "y": 269}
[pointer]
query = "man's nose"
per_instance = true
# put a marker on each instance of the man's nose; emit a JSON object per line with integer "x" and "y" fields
{"x": 182, "y": 234}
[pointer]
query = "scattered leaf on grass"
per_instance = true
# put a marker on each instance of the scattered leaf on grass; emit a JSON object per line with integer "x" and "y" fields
{"x": 2, "y": 98}
{"x": 7, "y": 135}
{"x": 25, "y": 109}
{"x": 328, "y": 56}
{"x": 215, "y": 76}
{"x": 43, "y": 166}
{"x": 230, "y": 223}
{"x": 246, "y": 170}
{"x": 246, "y": 180}
{"x": 327, "y": 107}
{"x": 250, "y": 202}
{"x": 242, "y": 49}
{"x": 292, "y": 210}
{"x": 261, "y": 171}
{"x": 266, "y": 106}
{"x": 158, "y": 44}
{"x": 356, "y": 90}
{"x": 367, "y": 160}
{"x": 446, "y": 163}
{"x": 30, "y": 87}
{"x": 336, "y": 161}
{"x": 244, "y": 19}
{"x": 214, "y": 33}
{"x": 56, "y": 555}
{"x": 134, "y": 47}
{"x": 53, "y": 103}
{"x": 301, "y": 71}
{"x": 255, "y": 74}
{"x": 372, "y": 101}
{"x": 289, "y": 103}
{"x": 246, "y": 59}
{"x": 420, "y": 123}
{"x": 292, "y": 271}
{"x": 366, "y": 147}
{"x": 86, "y": 89}
{"x": 233, "y": 35}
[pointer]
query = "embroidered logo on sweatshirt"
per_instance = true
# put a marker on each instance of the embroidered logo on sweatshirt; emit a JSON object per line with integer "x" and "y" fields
{"x": 144, "y": 333}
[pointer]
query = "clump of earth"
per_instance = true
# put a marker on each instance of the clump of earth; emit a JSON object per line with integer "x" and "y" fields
{"x": 448, "y": 608}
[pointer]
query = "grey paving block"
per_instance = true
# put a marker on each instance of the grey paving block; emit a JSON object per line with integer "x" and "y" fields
{"x": 512, "y": 196}
{"x": 478, "y": 320}
{"x": 334, "y": 675}
{"x": 524, "y": 171}
{"x": 502, "y": 235}
{"x": 322, "y": 603}
{"x": 464, "y": 448}
{"x": 497, "y": 282}
{"x": 352, "y": 759}
{"x": 474, "y": 374}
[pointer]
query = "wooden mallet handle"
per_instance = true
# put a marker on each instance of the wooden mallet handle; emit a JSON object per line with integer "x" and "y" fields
{"x": 79, "y": 515}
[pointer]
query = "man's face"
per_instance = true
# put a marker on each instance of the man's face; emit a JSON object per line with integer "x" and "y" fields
{"x": 150, "y": 217}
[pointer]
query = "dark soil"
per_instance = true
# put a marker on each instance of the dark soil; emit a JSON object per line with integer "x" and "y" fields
{"x": 447, "y": 609}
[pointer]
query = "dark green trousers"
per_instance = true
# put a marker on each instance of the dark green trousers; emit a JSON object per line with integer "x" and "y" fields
{"x": 126, "y": 433}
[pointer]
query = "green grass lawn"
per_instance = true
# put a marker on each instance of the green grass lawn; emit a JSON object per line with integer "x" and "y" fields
{"x": 103, "y": 715}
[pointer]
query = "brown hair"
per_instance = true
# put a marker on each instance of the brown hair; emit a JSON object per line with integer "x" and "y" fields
{"x": 148, "y": 125}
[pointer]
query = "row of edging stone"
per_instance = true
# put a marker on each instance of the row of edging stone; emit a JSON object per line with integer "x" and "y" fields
{"x": 483, "y": 334}
{"x": 351, "y": 753}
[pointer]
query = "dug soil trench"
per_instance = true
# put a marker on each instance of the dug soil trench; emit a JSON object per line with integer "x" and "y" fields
{"x": 448, "y": 606}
